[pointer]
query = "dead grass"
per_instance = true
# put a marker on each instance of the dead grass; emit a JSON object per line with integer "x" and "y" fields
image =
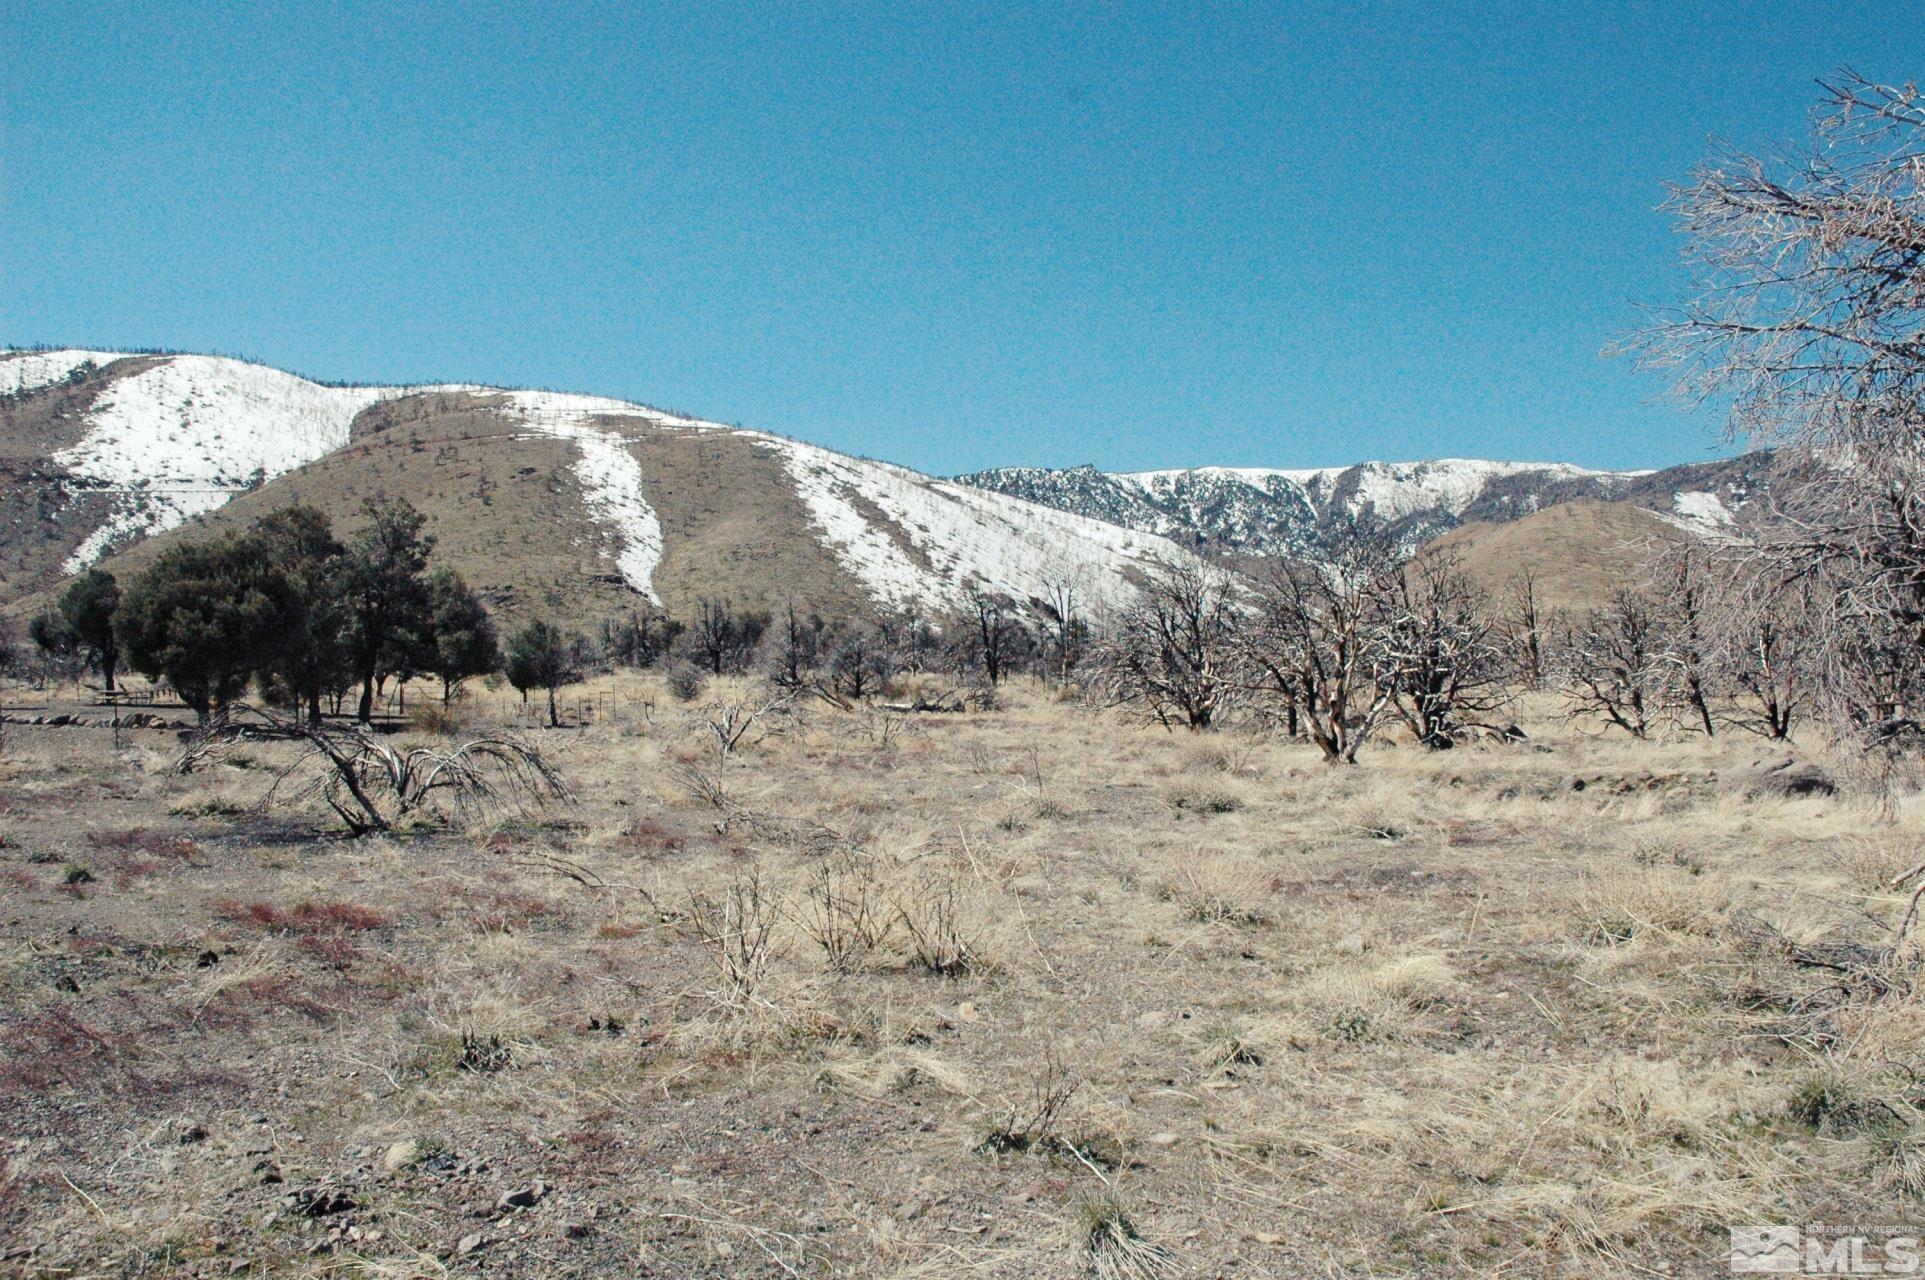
{"x": 958, "y": 995}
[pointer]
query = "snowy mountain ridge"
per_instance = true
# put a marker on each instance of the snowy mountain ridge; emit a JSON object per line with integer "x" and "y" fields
{"x": 161, "y": 440}
{"x": 104, "y": 450}
{"x": 1280, "y": 511}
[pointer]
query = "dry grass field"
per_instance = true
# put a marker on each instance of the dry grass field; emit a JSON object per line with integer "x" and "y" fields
{"x": 1023, "y": 992}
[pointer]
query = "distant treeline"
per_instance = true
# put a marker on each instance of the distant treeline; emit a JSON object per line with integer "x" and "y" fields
{"x": 305, "y": 619}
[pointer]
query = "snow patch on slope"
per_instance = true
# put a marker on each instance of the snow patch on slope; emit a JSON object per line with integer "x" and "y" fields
{"x": 948, "y": 538}
{"x": 1702, "y": 513}
{"x": 183, "y": 437}
{"x": 610, "y": 476}
{"x": 31, "y": 370}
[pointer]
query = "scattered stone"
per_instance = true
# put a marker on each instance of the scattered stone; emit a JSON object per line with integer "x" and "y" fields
{"x": 401, "y": 1155}
{"x": 522, "y": 1197}
{"x": 470, "y": 1243}
{"x": 1785, "y": 776}
{"x": 320, "y": 1201}
{"x": 1165, "y": 1139}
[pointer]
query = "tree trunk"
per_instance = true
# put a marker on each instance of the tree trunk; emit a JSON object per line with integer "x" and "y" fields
{"x": 366, "y": 712}
{"x": 554, "y": 720}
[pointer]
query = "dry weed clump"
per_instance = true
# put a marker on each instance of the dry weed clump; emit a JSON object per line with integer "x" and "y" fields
{"x": 741, "y": 932}
{"x": 1114, "y": 1247}
{"x": 1203, "y": 800}
{"x": 479, "y": 1030}
{"x": 1378, "y": 1002}
{"x": 1615, "y": 909}
{"x": 1872, "y": 864}
{"x": 843, "y": 910}
{"x": 1235, "y": 889}
{"x": 945, "y": 929}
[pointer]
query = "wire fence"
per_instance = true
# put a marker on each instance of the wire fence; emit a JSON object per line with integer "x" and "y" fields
{"x": 572, "y": 712}
{"x": 394, "y": 708}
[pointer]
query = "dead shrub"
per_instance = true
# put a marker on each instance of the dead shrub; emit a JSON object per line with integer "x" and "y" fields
{"x": 1030, "y": 1118}
{"x": 842, "y": 911}
{"x": 370, "y": 784}
{"x": 939, "y": 927}
{"x": 437, "y": 719}
{"x": 686, "y": 681}
{"x": 703, "y": 783}
{"x": 740, "y": 933}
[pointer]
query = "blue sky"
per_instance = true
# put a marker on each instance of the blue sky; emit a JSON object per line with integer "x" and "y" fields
{"x": 948, "y": 235}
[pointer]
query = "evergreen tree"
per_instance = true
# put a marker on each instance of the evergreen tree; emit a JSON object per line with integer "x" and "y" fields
{"x": 465, "y": 645}
{"x": 206, "y": 617}
{"x": 87, "y": 614}
{"x": 389, "y": 607}
{"x": 299, "y": 542}
{"x": 541, "y": 657}
{"x": 50, "y": 634}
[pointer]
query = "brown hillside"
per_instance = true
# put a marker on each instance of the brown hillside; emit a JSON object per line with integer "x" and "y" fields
{"x": 1579, "y": 552}
{"x": 507, "y": 511}
{"x": 44, "y": 515}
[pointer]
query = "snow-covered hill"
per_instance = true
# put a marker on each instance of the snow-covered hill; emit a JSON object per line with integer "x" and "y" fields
{"x": 159, "y": 440}
{"x": 1263, "y": 511}
{"x": 101, "y": 450}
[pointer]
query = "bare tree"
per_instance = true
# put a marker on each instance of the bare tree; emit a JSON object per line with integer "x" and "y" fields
{"x": 371, "y": 783}
{"x": 862, "y": 666}
{"x": 1766, "y": 634}
{"x": 1061, "y": 605}
{"x": 995, "y": 634}
{"x": 1437, "y": 651}
{"x": 1810, "y": 323}
{"x": 723, "y": 637}
{"x": 1174, "y": 649}
{"x": 1685, "y": 603}
{"x": 1614, "y": 664}
{"x": 1523, "y": 627}
{"x": 799, "y": 640}
{"x": 1313, "y": 645}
